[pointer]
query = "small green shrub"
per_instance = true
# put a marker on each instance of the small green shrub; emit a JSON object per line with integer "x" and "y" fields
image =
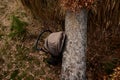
{"x": 17, "y": 28}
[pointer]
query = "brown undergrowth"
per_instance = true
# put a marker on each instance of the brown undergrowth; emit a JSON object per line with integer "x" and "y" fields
{"x": 103, "y": 35}
{"x": 103, "y": 39}
{"x": 19, "y": 60}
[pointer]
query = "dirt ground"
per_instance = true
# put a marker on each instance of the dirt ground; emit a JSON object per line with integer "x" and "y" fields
{"x": 18, "y": 59}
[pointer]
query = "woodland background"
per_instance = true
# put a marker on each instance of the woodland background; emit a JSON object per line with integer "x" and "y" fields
{"x": 20, "y": 26}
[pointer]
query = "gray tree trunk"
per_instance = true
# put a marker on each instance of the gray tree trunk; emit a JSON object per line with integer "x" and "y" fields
{"x": 74, "y": 55}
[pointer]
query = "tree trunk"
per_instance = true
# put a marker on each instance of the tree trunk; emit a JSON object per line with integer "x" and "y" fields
{"x": 74, "y": 55}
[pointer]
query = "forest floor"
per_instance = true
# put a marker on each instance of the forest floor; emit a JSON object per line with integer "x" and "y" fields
{"x": 18, "y": 58}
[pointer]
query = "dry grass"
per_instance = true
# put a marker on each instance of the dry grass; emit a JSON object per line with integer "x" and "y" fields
{"x": 103, "y": 38}
{"x": 19, "y": 60}
{"x": 103, "y": 34}
{"x": 48, "y": 12}
{"x": 76, "y": 5}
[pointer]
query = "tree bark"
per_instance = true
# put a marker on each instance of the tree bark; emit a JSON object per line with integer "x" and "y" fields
{"x": 74, "y": 55}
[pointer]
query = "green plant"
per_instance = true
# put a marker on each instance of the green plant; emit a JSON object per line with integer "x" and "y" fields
{"x": 17, "y": 27}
